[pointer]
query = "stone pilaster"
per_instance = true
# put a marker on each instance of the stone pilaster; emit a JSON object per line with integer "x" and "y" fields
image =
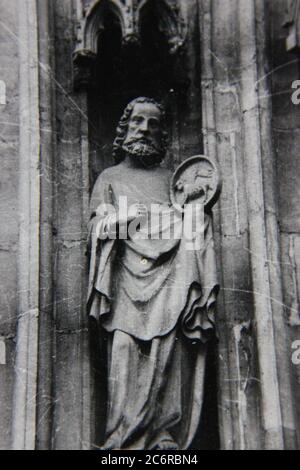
{"x": 254, "y": 379}
{"x": 26, "y": 367}
{"x": 47, "y": 178}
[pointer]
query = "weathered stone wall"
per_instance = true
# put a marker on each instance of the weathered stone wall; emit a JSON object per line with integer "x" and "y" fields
{"x": 286, "y": 138}
{"x": 71, "y": 360}
{"x": 223, "y": 131}
{"x": 9, "y": 139}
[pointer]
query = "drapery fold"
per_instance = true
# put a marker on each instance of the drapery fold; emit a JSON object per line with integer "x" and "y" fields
{"x": 144, "y": 292}
{"x": 156, "y": 299}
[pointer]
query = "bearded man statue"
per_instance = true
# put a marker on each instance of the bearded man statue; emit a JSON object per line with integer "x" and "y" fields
{"x": 153, "y": 297}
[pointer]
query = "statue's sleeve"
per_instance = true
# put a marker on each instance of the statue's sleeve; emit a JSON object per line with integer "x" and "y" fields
{"x": 102, "y": 211}
{"x": 198, "y": 319}
{"x": 101, "y": 247}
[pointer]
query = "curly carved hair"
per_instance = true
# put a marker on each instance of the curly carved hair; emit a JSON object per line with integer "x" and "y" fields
{"x": 122, "y": 128}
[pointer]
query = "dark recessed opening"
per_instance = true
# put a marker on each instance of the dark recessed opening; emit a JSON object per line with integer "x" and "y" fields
{"x": 121, "y": 74}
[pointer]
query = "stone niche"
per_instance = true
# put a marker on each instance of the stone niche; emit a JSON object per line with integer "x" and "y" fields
{"x": 131, "y": 48}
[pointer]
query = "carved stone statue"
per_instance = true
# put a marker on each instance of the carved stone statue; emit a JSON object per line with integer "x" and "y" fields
{"x": 154, "y": 297}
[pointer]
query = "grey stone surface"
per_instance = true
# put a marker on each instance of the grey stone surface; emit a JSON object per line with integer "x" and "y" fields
{"x": 71, "y": 353}
{"x": 9, "y": 138}
{"x": 286, "y": 118}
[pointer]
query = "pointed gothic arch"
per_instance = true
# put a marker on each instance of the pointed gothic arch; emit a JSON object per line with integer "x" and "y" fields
{"x": 130, "y": 16}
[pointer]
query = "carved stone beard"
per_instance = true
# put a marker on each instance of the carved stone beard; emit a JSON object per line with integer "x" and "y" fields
{"x": 145, "y": 152}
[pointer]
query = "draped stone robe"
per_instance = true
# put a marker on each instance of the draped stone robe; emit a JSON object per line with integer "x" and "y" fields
{"x": 156, "y": 300}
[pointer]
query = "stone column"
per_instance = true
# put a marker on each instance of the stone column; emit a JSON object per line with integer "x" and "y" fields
{"x": 258, "y": 230}
{"x": 254, "y": 380}
{"x": 47, "y": 178}
{"x": 72, "y": 417}
{"x": 26, "y": 367}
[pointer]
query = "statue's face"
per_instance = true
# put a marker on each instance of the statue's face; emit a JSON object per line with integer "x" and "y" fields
{"x": 144, "y": 136}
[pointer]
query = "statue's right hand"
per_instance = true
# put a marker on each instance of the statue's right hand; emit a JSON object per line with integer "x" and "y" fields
{"x": 137, "y": 211}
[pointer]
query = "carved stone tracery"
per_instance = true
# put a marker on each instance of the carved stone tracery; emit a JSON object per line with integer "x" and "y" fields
{"x": 129, "y": 15}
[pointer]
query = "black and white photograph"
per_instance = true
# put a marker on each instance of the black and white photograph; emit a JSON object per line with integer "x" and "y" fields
{"x": 150, "y": 227}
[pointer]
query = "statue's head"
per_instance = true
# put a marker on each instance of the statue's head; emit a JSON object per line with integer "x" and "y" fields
{"x": 141, "y": 133}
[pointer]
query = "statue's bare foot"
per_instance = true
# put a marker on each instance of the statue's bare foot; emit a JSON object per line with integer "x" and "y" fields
{"x": 167, "y": 445}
